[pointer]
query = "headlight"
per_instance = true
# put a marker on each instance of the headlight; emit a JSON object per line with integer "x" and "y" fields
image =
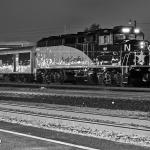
{"x": 136, "y": 30}
{"x": 125, "y": 30}
{"x": 142, "y": 44}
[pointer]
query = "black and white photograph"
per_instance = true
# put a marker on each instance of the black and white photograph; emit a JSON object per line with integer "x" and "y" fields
{"x": 74, "y": 74}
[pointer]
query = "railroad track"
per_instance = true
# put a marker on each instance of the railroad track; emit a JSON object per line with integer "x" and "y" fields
{"x": 89, "y": 98}
{"x": 74, "y": 87}
{"x": 75, "y": 92}
{"x": 65, "y": 119}
{"x": 122, "y": 121}
{"x": 68, "y": 109}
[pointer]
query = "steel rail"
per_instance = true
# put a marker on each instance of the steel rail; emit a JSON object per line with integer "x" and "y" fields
{"x": 75, "y": 87}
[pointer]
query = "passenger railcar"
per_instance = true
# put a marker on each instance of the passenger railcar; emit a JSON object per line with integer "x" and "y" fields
{"x": 24, "y": 63}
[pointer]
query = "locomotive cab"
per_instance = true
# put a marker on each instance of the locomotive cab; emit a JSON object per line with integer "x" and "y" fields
{"x": 138, "y": 59}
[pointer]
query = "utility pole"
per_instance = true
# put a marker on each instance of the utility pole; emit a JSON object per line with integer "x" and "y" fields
{"x": 135, "y": 23}
{"x": 65, "y": 29}
{"x": 135, "y": 27}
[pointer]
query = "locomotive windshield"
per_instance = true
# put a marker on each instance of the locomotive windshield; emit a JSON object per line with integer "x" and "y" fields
{"x": 122, "y": 33}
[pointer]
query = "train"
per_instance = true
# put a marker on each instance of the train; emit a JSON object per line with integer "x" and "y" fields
{"x": 119, "y": 56}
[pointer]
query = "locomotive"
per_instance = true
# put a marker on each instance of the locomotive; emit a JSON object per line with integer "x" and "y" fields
{"x": 108, "y": 57}
{"x": 120, "y": 55}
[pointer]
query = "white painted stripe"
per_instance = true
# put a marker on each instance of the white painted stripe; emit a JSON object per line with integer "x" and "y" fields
{"x": 48, "y": 140}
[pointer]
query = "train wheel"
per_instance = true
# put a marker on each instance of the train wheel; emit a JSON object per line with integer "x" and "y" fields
{"x": 118, "y": 79}
{"x": 6, "y": 78}
{"x": 107, "y": 78}
{"x": 146, "y": 77}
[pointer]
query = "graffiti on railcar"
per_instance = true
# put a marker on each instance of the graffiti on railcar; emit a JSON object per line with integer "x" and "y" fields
{"x": 53, "y": 57}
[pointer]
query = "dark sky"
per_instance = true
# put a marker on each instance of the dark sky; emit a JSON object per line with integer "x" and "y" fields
{"x": 33, "y": 19}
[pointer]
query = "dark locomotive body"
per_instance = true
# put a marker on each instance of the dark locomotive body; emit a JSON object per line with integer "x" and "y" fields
{"x": 120, "y": 55}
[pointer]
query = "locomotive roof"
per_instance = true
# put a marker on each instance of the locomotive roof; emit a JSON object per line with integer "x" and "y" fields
{"x": 118, "y": 29}
{"x": 101, "y": 31}
{"x": 16, "y": 44}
